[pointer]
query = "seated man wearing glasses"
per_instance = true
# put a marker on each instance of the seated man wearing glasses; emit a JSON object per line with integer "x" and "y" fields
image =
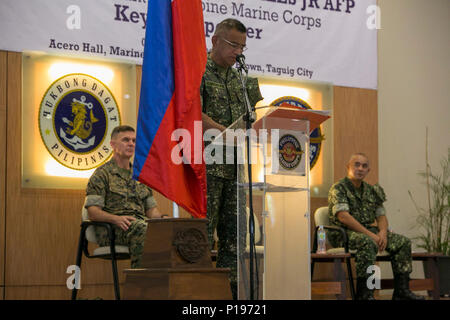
{"x": 223, "y": 103}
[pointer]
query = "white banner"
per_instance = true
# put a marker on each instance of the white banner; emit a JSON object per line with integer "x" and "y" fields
{"x": 322, "y": 40}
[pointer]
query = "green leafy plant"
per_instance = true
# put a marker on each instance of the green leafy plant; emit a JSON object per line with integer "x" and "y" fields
{"x": 434, "y": 220}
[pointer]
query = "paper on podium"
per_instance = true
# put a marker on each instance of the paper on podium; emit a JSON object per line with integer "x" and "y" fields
{"x": 285, "y": 110}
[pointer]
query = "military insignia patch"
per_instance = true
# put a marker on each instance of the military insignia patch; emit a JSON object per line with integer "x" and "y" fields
{"x": 76, "y": 117}
{"x": 316, "y": 136}
{"x": 290, "y": 152}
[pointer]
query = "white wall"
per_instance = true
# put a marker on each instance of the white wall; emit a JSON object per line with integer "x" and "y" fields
{"x": 414, "y": 92}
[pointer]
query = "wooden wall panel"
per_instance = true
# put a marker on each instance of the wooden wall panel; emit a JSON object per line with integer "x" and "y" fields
{"x": 355, "y": 129}
{"x": 355, "y": 121}
{"x": 3, "y": 141}
{"x": 42, "y": 225}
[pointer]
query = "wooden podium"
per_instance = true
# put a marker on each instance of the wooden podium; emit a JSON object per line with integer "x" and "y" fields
{"x": 176, "y": 265}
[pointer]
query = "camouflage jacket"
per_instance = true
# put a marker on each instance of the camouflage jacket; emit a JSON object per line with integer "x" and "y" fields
{"x": 115, "y": 191}
{"x": 365, "y": 204}
{"x": 222, "y": 100}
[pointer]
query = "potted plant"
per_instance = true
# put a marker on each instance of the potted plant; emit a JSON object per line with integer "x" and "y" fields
{"x": 434, "y": 219}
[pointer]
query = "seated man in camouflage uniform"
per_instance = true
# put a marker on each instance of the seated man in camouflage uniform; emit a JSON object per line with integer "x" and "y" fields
{"x": 114, "y": 197}
{"x": 358, "y": 207}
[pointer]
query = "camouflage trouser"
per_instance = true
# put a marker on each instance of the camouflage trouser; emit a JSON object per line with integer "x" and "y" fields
{"x": 398, "y": 247}
{"x": 134, "y": 238}
{"x": 222, "y": 214}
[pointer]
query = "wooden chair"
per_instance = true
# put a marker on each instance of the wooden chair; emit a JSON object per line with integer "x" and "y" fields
{"x": 335, "y": 255}
{"x": 112, "y": 252}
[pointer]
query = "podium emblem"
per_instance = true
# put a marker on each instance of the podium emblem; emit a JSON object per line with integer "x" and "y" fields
{"x": 190, "y": 244}
{"x": 76, "y": 117}
{"x": 316, "y": 136}
{"x": 290, "y": 153}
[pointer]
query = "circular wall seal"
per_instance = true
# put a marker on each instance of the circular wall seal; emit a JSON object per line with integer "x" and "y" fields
{"x": 290, "y": 153}
{"x": 76, "y": 117}
{"x": 316, "y": 137}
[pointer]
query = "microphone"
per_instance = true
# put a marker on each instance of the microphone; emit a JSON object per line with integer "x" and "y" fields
{"x": 241, "y": 60}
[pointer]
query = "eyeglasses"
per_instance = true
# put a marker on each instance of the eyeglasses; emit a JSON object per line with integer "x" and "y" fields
{"x": 235, "y": 45}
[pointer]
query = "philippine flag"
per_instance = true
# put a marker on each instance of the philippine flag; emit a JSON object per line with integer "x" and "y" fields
{"x": 169, "y": 106}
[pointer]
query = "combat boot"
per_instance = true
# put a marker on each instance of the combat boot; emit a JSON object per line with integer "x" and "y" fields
{"x": 401, "y": 288}
{"x": 362, "y": 291}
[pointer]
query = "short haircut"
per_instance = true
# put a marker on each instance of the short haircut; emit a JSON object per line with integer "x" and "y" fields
{"x": 358, "y": 154}
{"x": 119, "y": 129}
{"x": 229, "y": 24}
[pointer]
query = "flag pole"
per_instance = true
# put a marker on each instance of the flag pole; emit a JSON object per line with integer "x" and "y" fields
{"x": 175, "y": 210}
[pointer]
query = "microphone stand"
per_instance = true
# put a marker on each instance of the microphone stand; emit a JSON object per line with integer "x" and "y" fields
{"x": 249, "y": 118}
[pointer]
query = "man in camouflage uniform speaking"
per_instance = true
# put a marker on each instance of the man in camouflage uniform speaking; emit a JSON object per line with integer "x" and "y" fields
{"x": 358, "y": 207}
{"x": 114, "y": 197}
{"x": 222, "y": 100}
